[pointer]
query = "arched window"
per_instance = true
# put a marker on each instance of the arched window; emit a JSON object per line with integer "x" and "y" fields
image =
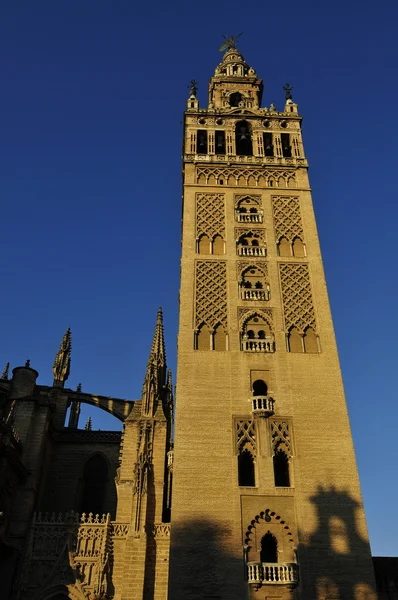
{"x": 295, "y": 341}
{"x": 298, "y": 248}
{"x": 310, "y": 340}
{"x": 243, "y": 139}
{"x": 260, "y": 388}
{"x": 256, "y": 335}
{"x": 246, "y": 476}
{"x": 218, "y": 245}
{"x": 219, "y": 338}
{"x": 269, "y": 549}
{"x": 204, "y": 244}
{"x": 95, "y": 475}
{"x": 284, "y": 247}
{"x": 235, "y": 98}
{"x": 281, "y": 469}
{"x": 203, "y": 340}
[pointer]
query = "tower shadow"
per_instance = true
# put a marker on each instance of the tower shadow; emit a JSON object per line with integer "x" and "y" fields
{"x": 337, "y": 554}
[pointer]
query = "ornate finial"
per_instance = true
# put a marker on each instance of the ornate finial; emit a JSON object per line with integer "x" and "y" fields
{"x": 288, "y": 90}
{"x": 61, "y": 368}
{"x": 88, "y": 426}
{"x": 230, "y": 42}
{"x": 79, "y": 388}
{"x": 27, "y": 364}
{"x": 158, "y": 352}
{"x": 5, "y": 372}
{"x": 193, "y": 87}
{"x": 155, "y": 376}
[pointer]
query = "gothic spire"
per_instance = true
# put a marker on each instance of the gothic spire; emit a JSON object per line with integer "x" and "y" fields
{"x": 155, "y": 376}
{"x": 157, "y": 356}
{"x": 61, "y": 368}
{"x": 5, "y": 372}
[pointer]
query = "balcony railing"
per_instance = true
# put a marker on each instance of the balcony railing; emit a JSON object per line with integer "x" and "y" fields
{"x": 252, "y": 250}
{"x": 273, "y": 573}
{"x": 255, "y": 217}
{"x": 262, "y": 406}
{"x": 255, "y": 294}
{"x": 264, "y": 345}
{"x": 257, "y": 160}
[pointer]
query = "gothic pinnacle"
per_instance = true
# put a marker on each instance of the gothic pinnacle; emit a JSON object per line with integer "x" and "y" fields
{"x": 158, "y": 352}
{"x": 61, "y": 368}
{"x": 5, "y": 372}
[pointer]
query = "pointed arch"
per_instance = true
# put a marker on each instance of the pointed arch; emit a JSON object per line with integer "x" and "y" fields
{"x": 218, "y": 244}
{"x": 295, "y": 340}
{"x": 281, "y": 469}
{"x": 284, "y": 247}
{"x": 310, "y": 341}
{"x": 246, "y": 469}
{"x": 203, "y": 338}
{"x": 298, "y": 248}
{"x": 269, "y": 548}
{"x": 204, "y": 244}
{"x": 219, "y": 338}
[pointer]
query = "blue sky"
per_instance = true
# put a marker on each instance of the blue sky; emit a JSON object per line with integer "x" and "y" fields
{"x": 90, "y": 180}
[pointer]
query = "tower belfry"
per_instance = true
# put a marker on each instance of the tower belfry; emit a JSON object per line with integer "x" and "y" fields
{"x": 266, "y": 496}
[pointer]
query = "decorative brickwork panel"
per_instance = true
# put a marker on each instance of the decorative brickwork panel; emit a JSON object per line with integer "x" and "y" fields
{"x": 246, "y": 177}
{"x": 210, "y": 215}
{"x": 245, "y": 432}
{"x": 298, "y": 306}
{"x": 281, "y": 437}
{"x": 211, "y": 294}
{"x": 287, "y": 217}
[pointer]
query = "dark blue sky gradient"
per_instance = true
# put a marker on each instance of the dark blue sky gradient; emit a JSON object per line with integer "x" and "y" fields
{"x": 90, "y": 181}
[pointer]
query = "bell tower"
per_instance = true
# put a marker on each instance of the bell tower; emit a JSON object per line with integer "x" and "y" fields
{"x": 266, "y": 496}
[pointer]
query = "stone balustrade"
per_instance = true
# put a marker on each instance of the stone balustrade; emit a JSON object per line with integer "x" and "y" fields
{"x": 244, "y": 217}
{"x": 252, "y": 250}
{"x": 255, "y": 294}
{"x": 257, "y": 160}
{"x": 272, "y": 573}
{"x": 262, "y": 406}
{"x": 255, "y": 345}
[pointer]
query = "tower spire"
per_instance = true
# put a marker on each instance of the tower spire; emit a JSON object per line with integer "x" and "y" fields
{"x": 5, "y": 372}
{"x": 155, "y": 375}
{"x": 61, "y": 367}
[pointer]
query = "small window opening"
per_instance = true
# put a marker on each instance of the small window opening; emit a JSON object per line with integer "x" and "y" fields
{"x": 286, "y": 147}
{"x": 220, "y": 142}
{"x": 234, "y": 99}
{"x": 268, "y": 146}
{"x": 243, "y": 137}
{"x": 192, "y": 104}
{"x": 246, "y": 469}
{"x": 281, "y": 469}
{"x": 221, "y": 182}
{"x": 269, "y": 549}
{"x": 260, "y": 388}
{"x": 201, "y": 144}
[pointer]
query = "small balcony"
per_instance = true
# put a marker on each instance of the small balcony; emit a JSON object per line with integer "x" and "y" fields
{"x": 262, "y": 406}
{"x": 273, "y": 573}
{"x": 255, "y": 294}
{"x": 251, "y": 250}
{"x": 266, "y": 344}
{"x": 249, "y": 217}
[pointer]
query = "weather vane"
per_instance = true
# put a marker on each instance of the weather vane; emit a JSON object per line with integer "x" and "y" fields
{"x": 288, "y": 90}
{"x": 229, "y": 42}
{"x": 193, "y": 87}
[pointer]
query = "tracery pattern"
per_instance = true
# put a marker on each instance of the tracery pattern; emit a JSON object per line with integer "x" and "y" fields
{"x": 211, "y": 294}
{"x": 246, "y": 176}
{"x": 245, "y": 432}
{"x": 298, "y": 306}
{"x": 210, "y": 215}
{"x": 245, "y": 313}
{"x": 287, "y": 217}
{"x": 280, "y": 437}
{"x": 243, "y": 265}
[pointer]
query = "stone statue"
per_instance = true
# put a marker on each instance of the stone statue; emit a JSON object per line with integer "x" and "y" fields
{"x": 230, "y": 42}
{"x": 288, "y": 90}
